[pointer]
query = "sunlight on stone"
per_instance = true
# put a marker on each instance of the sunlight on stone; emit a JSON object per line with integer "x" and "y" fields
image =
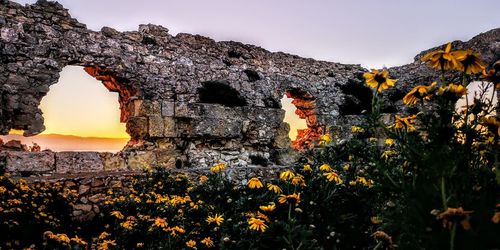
{"x": 291, "y": 118}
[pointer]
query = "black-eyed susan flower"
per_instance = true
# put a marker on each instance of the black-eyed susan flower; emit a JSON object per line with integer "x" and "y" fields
{"x": 203, "y": 178}
{"x": 492, "y": 123}
{"x": 383, "y": 237}
{"x": 217, "y": 219}
{"x": 470, "y": 62}
{"x": 325, "y": 140}
{"x": 307, "y": 168}
{"x": 255, "y": 183}
{"x": 257, "y": 224}
{"x": 325, "y": 168}
{"x": 78, "y": 241}
{"x": 452, "y": 90}
{"x": 117, "y": 214}
{"x": 191, "y": 243}
{"x": 379, "y": 80}
{"x": 357, "y": 129}
{"x": 442, "y": 59}
{"x": 455, "y": 215}
{"x": 291, "y": 198}
{"x": 207, "y": 241}
{"x": 287, "y": 175}
{"x": 389, "y": 142}
{"x": 420, "y": 93}
{"x": 274, "y": 188}
{"x": 405, "y": 123}
{"x": 298, "y": 180}
{"x": 160, "y": 222}
{"x": 268, "y": 208}
{"x": 333, "y": 177}
{"x": 217, "y": 168}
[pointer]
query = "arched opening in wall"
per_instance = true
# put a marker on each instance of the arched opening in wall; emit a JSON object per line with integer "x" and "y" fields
{"x": 220, "y": 92}
{"x": 300, "y": 113}
{"x": 80, "y": 114}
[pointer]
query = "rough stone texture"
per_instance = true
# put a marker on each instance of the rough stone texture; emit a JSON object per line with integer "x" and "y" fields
{"x": 28, "y": 162}
{"x": 77, "y": 162}
{"x": 186, "y": 99}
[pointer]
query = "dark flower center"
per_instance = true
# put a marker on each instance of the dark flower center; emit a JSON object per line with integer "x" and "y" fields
{"x": 380, "y": 78}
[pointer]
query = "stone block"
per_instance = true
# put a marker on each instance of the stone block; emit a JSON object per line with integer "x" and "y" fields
{"x": 78, "y": 162}
{"x": 165, "y": 158}
{"x": 167, "y": 108}
{"x": 217, "y": 128}
{"x": 35, "y": 162}
{"x": 155, "y": 126}
{"x": 137, "y": 127}
{"x": 169, "y": 127}
{"x": 113, "y": 162}
{"x": 150, "y": 108}
{"x": 141, "y": 160}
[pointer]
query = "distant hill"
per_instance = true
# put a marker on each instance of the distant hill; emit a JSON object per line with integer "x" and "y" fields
{"x": 57, "y": 142}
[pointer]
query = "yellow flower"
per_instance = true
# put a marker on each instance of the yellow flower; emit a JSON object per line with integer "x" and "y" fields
{"x": 79, "y": 241}
{"x": 275, "y": 188}
{"x": 325, "y": 168}
{"x": 203, "y": 178}
{"x": 404, "y": 123}
{"x": 257, "y": 224}
{"x": 255, "y": 183}
{"x": 356, "y": 129}
{"x": 492, "y": 123}
{"x": 375, "y": 220}
{"x": 346, "y": 167}
{"x": 455, "y": 215}
{"x": 332, "y": 176}
{"x": 129, "y": 224}
{"x": 325, "y": 140}
{"x": 2, "y": 189}
{"x": 106, "y": 244}
{"x": 470, "y": 62}
{"x": 299, "y": 180}
{"x": 295, "y": 197}
{"x": 117, "y": 214}
{"x": 159, "y": 222}
{"x": 217, "y": 219}
{"x": 352, "y": 183}
{"x": 268, "y": 208}
{"x": 175, "y": 230}
{"x": 362, "y": 180}
{"x": 307, "y": 168}
{"x": 287, "y": 175}
{"x": 388, "y": 153}
{"x": 419, "y": 93}
{"x": 379, "y": 80}
{"x": 217, "y": 168}
{"x": 452, "y": 90}
{"x": 442, "y": 59}
{"x": 208, "y": 242}
{"x": 389, "y": 142}
{"x": 104, "y": 235}
{"x": 191, "y": 243}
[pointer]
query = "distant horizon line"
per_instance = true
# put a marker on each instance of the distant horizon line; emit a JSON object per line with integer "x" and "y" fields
{"x": 67, "y": 135}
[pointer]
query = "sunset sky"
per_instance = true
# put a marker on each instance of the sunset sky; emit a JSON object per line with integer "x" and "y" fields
{"x": 371, "y": 33}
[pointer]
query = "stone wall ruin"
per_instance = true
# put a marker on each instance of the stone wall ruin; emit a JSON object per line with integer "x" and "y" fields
{"x": 187, "y": 100}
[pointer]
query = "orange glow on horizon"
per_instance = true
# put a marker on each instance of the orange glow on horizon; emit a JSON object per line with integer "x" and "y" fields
{"x": 80, "y": 105}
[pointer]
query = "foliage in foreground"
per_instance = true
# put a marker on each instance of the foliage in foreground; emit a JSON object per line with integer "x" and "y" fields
{"x": 428, "y": 180}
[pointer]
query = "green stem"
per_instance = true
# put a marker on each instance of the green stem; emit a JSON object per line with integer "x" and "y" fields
{"x": 452, "y": 236}
{"x": 443, "y": 193}
{"x": 378, "y": 246}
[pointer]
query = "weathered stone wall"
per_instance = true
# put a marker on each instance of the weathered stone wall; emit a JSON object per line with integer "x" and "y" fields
{"x": 187, "y": 100}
